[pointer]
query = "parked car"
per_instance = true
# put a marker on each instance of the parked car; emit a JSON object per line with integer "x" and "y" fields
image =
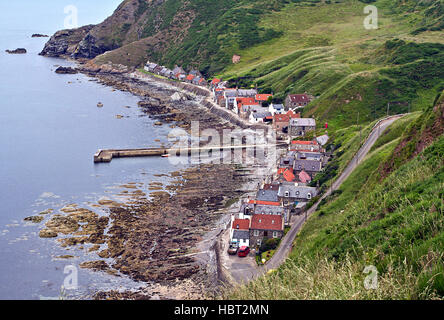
{"x": 232, "y": 249}
{"x": 243, "y": 251}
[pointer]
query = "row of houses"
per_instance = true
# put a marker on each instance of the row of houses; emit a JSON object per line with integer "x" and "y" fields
{"x": 194, "y": 76}
{"x": 249, "y": 105}
{"x": 286, "y": 195}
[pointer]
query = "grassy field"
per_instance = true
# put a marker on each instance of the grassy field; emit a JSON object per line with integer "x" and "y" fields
{"x": 326, "y": 51}
{"x": 395, "y": 224}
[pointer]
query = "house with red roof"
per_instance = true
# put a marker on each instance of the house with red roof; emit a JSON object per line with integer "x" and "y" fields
{"x": 304, "y": 177}
{"x": 265, "y": 203}
{"x": 299, "y": 145}
{"x": 261, "y": 98}
{"x": 297, "y": 100}
{"x": 281, "y": 122}
{"x": 240, "y": 224}
{"x": 190, "y": 78}
{"x": 293, "y": 115}
{"x": 240, "y": 232}
{"x": 264, "y": 227}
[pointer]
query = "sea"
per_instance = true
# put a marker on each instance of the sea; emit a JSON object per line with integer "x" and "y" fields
{"x": 50, "y": 128}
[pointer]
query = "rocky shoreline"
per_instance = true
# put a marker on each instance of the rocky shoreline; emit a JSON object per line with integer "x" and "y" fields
{"x": 157, "y": 238}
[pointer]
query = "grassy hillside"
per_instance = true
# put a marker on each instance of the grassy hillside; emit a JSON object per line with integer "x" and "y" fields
{"x": 290, "y": 46}
{"x": 393, "y": 222}
{"x": 326, "y": 51}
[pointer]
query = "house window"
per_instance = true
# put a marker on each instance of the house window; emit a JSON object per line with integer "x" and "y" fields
{"x": 308, "y": 195}
{"x": 287, "y": 194}
{"x": 259, "y": 242}
{"x": 256, "y": 233}
{"x": 297, "y": 193}
{"x": 275, "y": 234}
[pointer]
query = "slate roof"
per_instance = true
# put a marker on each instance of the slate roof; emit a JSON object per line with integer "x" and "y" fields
{"x": 241, "y": 234}
{"x": 307, "y": 165}
{"x": 303, "y": 122}
{"x": 261, "y": 209}
{"x": 267, "y": 195}
{"x": 261, "y": 115}
{"x": 286, "y": 161}
{"x": 309, "y": 155}
{"x": 246, "y": 92}
{"x": 295, "y": 191}
{"x": 322, "y": 140}
{"x": 299, "y": 98}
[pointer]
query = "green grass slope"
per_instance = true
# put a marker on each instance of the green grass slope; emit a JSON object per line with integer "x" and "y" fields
{"x": 394, "y": 222}
{"x": 326, "y": 51}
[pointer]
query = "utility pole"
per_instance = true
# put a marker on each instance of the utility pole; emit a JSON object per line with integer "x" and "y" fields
{"x": 388, "y": 109}
{"x": 359, "y": 146}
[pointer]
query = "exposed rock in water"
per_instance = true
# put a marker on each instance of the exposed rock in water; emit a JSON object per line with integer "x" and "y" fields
{"x": 99, "y": 265}
{"x": 47, "y": 233}
{"x": 99, "y": 105}
{"x": 17, "y": 51}
{"x": 34, "y": 219}
{"x": 38, "y": 35}
{"x": 47, "y": 211}
{"x": 66, "y": 70}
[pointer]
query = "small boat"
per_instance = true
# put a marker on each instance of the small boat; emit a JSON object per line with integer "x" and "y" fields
{"x": 165, "y": 155}
{"x": 100, "y": 105}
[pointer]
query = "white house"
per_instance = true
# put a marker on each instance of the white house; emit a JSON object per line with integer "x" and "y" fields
{"x": 276, "y": 109}
{"x": 257, "y": 117}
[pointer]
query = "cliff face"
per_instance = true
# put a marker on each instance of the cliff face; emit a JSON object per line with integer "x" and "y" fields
{"x": 64, "y": 43}
{"x": 93, "y": 40}
{"x": 191, "y": 33}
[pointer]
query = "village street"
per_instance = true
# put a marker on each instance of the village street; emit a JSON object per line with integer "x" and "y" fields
{"x": 246, "y": 269}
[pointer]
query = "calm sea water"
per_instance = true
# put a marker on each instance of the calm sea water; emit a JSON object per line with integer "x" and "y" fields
{"x": 49, "y": 131}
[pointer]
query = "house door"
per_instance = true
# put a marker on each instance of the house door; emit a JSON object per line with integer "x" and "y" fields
{"x": 265, "y": 233}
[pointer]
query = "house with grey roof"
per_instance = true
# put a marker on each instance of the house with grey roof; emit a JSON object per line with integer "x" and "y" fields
{"x": 293, "y": 193}
{"x": 150, "y": 67}
{"x": 274, "y": 210}
{"x": 276, "y": 108}
{"x": 246, "y": 93}
{"x": 267, "y": 195}
{"x": 286, "y": 161}
{"x": 299, "y": 127}
{"x": 246, "y": 210}
{"x": 178, "y": 70}
{"x": 322, "y": 140}
{"x": 260, "y": 116}
{"x": 303, "y": 155}
{"x": 312, "y": 167}
{"x": 196, "y": 73}
{"x": 242, "y": 237}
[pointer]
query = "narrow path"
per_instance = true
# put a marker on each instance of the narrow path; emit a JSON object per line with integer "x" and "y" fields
{"x": 287, "y": 242}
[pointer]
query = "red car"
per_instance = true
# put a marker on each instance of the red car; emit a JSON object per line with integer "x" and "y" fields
{"x": 243, "y": 251}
